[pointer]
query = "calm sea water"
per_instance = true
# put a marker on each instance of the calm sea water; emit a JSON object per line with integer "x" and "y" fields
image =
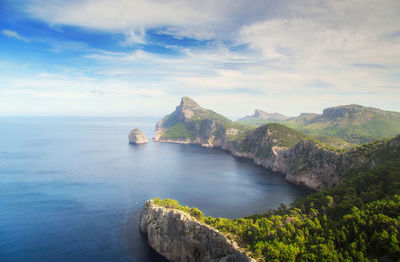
{"x": 71, "y": 189}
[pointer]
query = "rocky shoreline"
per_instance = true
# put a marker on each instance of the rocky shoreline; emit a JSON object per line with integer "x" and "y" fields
{"x": 323, "y": 171}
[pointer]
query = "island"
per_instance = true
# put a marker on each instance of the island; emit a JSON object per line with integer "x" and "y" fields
{"x": 136, "y": 136}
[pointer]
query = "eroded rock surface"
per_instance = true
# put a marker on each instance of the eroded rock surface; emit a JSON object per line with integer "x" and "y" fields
{"x": 178, "y": 236}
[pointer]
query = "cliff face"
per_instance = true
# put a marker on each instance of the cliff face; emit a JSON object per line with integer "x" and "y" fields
{"x": 179, "y": 237}
{"x": 300, "y": 159}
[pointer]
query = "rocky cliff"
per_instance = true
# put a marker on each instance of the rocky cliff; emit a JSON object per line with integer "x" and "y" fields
{"x": 180, "y": 237}
{"x": 301, "y": 159}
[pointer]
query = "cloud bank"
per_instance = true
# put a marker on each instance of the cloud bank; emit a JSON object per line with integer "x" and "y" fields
{"x": 287, "y": 56}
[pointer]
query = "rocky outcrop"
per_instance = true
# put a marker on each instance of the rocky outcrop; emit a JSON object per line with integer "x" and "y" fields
{"x": 179, "y": 237}
{"x": 136, "y": 136}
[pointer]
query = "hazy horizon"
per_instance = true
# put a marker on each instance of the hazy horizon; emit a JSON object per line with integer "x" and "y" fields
{"x": 137, "y": 58}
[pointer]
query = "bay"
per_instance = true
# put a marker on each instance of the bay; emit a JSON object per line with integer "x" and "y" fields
{"x": 71, "y": 188}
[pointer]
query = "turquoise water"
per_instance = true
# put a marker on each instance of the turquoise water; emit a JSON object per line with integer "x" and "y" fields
{"x": 71, "y": 189}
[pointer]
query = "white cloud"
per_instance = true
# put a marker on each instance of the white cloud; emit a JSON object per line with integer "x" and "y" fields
{"x": 55, "y": 45}
{"x": 291, "y": 56}
{"x": 135, "y": 37}
{"x": 126, "y": 15}
{"x": 13, "y": 34}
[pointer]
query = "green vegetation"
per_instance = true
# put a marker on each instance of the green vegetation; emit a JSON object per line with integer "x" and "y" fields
{"x": 173, "y": 204}
{"x": 209, "y": 114}
{"x": 284, "y": 136}
{"x": 353, "y": 124}
{"x": 179, "y": 132}
{"x": 335, "y": 142}
{"x": 358, "y": 220}
{"x": 256, "y": 122}
{"x": 262, "y": 139}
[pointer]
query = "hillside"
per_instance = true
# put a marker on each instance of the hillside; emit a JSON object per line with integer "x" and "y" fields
{"x": 343, "y": 126}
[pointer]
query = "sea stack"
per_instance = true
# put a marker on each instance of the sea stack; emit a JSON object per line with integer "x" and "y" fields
{"x": 136, "y": 136}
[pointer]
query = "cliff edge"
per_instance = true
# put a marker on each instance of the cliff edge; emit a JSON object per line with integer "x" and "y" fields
{"x": 180, "y": 237}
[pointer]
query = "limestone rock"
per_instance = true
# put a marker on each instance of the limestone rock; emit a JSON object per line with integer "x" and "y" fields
{"x": 136, "y": 136}
{"x": 177, "y": 236}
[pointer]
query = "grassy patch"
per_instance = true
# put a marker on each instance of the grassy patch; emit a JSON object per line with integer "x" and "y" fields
{"x": 178, "y": 132}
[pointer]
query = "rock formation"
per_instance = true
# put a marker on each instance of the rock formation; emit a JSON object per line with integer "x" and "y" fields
{"x": 136, "y": 136}
{"x": 177, "y": 236}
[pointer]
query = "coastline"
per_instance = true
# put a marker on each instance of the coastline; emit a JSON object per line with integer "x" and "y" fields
{"x": 268, "y": 165}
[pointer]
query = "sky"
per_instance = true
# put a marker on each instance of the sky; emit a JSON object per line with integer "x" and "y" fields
{"x": 137, "y": 58}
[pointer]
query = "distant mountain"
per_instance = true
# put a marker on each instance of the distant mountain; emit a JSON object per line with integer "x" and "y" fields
{"x": 261, "y": 117}
{"x": 352, "y": 123}
{"x": 341, "y": 126}
{"x": 259, "y": 114}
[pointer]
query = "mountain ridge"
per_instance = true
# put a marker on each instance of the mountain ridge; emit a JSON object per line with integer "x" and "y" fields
{"x": 354, "y": 124}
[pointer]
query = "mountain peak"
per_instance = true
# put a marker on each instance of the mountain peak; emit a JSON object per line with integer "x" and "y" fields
{"x": 349, "y": 111}
{"x": 190, "y": 103}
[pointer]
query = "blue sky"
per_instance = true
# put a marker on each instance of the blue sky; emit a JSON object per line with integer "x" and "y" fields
{"x": 137, "y": 58}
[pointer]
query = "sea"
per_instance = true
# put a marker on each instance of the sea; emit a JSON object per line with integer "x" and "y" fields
{"x": 71, "y": 188}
